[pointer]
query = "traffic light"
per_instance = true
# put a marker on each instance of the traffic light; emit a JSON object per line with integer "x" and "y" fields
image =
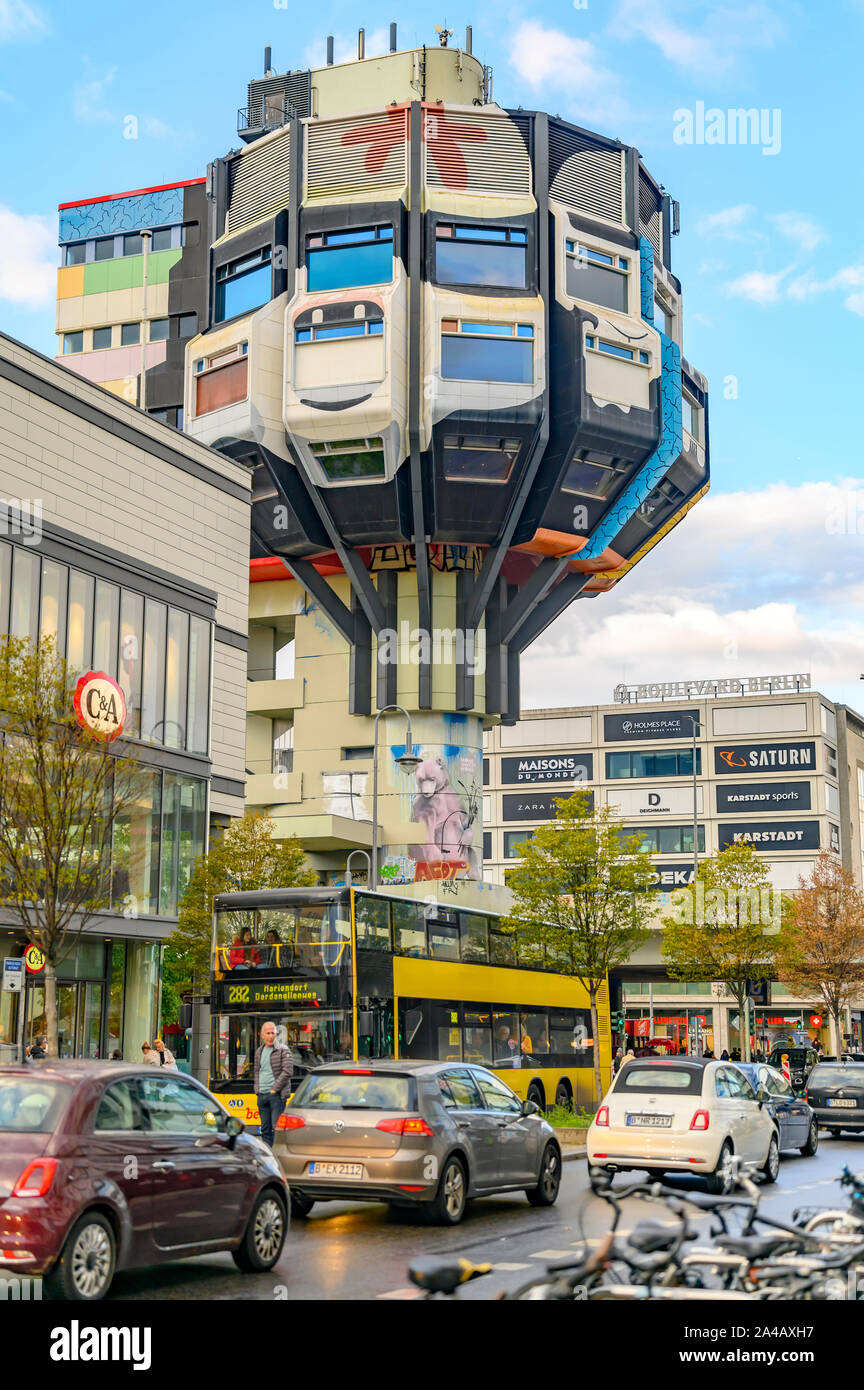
{"x": 618, "y": 1021}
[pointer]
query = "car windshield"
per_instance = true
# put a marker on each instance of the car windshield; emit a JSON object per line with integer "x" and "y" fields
{"x": 796, "y": 1055}
{"x": 30, "y": 1106}
{"x": 341, "y": 1091}
{"x": 836, "y": 1076}
{"x": 663, "y": 1078}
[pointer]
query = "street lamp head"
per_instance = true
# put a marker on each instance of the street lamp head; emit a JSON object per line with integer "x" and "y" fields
{"x": 409, "y": 762}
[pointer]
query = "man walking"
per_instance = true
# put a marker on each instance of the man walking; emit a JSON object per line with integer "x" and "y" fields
{"x": 274, "y": 1068}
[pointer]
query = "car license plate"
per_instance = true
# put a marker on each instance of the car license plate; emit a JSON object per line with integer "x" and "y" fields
{"x": 845, "y": 1104}
{"x": 336, "y": 1170}
{"x": 651, "y": 1121}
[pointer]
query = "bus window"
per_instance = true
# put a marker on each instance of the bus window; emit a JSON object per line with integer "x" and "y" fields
{"x": 534, "y": 1034}
{"x": 477, "y": 1036}
{"x": 448, "y": 1031}
{"x": 501, "y": 949}
{"x": 561, "y": 1036}
{"x": 505, "y": 1035}
{"x": 372, "y": 922}
{"x": 472, "y": 931}
{"x": 443, "y": 941}
{"x": 409, "y": 930}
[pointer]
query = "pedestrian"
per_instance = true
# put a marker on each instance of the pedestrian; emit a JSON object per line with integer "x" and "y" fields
{"x": 709, "y": 1054}
{"x": 724, "y": 1056}
{"x": 37, "y": 1051}
{"x": 616, "y": 1061}
{"x": 116, "y": 1055}
{"x": 629, "y": 1056}
{"x": 164, "y": 1057}
{"x": 148, "y": 1055}
{"x": 274, "y": 1068}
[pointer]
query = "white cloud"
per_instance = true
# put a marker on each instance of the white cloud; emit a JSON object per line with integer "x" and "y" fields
{"x": 28, "y": 259}
{"x": 730, "y": 592}
{"x": 728, "y": 222}
{"x": 759, "y": 286}
{"x": 549, "y": 58}
{"x": 19, "y": 20}
{"x": 89, "y": 104}
{"x": 718, "y": 35}
{"x": 800, "y": 228}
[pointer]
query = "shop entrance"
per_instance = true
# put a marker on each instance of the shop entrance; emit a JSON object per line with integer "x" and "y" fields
{"x": 79, "y": 1017}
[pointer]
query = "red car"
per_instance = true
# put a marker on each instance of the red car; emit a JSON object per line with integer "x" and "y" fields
{"x": 105, "y": 1166}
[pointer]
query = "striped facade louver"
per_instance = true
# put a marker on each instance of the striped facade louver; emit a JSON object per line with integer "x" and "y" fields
{"x": 358, "y": 154}
{"x": 270, "y": 97}
{"x": 260, "y": 181}
{"x": 650, "y": 214}
{"x": 468, "y": 152}
{"x": 588, "y": 177}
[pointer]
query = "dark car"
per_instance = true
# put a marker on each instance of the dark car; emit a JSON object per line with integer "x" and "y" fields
{"x": 802, "y": 1060}
{"x": 431, "y": 1134}
{"x": 835, "y": 1090}
{"x": 795, "y": 1120}
{"x": 106, "y": 1167}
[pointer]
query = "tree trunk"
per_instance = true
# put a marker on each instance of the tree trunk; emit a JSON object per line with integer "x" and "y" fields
{"x": 744, "y": 1026}
{"x": 52, "y": 1046}
{"x": 595, "y": 1033}
{"x": 836, "y": 1035}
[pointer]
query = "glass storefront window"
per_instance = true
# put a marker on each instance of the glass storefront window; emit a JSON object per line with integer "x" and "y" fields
{"x": 52, "y": 621}
{"x": 131, "y": 634}
{"x": 197, "y": 722}
{"x": 143, "y": 959}
{"x": 5, "y": 583}
{"x": 135, "y": 858}
{"x": 183, "y": 835}
{"x": 153, "y": 682}
{"x": 105, "y": 627}
{"x": 79, "y": 639}
{"x": 114, "y": 1040}
{"x": 25, "y": 593}
{"x": 175, "y": 679}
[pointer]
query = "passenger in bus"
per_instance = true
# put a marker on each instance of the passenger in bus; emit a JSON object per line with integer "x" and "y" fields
{"x": 270, "y": 954}
{"x": 506, "y": 1050}
{"x": 244, "y": 954}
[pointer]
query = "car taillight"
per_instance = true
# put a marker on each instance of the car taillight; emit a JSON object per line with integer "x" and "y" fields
{"x": 602, "y": 1116}
{"x": 405, "y": 1125}
{"x": 36, "y": 1178}
{"x": 287, "y": 1121}
{"x": 700, "y": 1120}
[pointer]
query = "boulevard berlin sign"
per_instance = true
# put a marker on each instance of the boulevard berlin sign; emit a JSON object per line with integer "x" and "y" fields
{"x": 730, "y": 685}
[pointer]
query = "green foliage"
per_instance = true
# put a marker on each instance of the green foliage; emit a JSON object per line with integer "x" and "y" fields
{"x": 564, "y": 1117}
{"x": 243, "y": 857}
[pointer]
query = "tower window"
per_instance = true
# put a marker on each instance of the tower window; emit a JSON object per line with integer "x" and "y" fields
{"x": 487, "y": 351}
{"x": 347, "y": 460}
{"x": 348, "y": 258}
{"x": 590, "y": 477}
{"x": 350, "y": 328}
{"x": 479, "y": 459}
{"x": 243, "y": 285}
{"x": 478, "y": 255}
{"x": 596, "y": 276}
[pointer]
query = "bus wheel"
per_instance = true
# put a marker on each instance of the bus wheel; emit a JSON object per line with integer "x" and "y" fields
{"x": 563, "y": 1095}
{"x": 535, "y": 1093}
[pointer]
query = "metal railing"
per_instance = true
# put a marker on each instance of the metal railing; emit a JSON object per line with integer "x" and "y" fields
{"x": 266, "y": 115}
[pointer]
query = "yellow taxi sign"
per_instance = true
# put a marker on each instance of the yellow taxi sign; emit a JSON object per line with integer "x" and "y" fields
{"x": 34, "y": 960}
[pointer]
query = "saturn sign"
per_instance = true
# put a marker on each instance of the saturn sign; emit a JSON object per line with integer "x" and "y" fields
{"x": 100, "y": 705}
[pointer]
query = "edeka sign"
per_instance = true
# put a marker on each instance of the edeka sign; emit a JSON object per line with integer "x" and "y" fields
{"x": 768, "y": 836}
{"x": 763, "y": 796}
{"x": 533, "y": 768}
{"x": 100, "y": 705}
{"x": 670, "y": 876}
{"x": 661, "y": 723}
{"x": 765, "y": 757}
{"x": 532, "y": 805}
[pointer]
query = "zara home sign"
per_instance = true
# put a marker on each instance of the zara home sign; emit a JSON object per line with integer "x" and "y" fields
{"x": 100, "y": 705}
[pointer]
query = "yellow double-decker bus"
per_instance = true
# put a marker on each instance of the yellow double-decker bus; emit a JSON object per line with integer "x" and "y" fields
{"x": 345, "y": 973}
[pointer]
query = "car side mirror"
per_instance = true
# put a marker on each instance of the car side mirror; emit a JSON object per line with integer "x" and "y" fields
{"x": 762, "y": 1096}
{"x": 530, "y": 1107}
{"x": 233, "y": 1128}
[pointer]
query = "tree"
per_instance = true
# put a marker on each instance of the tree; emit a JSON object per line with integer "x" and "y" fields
{"x": 823, "y": 949}
{"x": 243, "y": 857}
{"x": 63, "y": 789}
{"x": 725, "y": 927}
{"x": 581, "y": 892}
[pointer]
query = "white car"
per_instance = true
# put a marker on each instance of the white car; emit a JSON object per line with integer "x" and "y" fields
{"x": 684, "y": 1115}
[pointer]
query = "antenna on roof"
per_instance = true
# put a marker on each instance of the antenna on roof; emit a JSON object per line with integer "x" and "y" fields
{"x": 329, "y": 50}
{"x": 361, "y": 43}
{"x": 443, "y": 34}
{"x": 392, "y": 38}
{"x": 268, "y": 61}
{"x": 468, "y": 38}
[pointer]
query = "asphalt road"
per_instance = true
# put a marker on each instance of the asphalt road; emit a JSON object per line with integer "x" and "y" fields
{"x": 356, "y": 1251}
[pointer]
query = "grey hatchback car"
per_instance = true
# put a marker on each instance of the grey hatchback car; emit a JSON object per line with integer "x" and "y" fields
{"x": 431, "y": 1134}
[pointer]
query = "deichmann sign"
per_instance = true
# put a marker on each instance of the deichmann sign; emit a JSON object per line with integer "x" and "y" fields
{"x": 660, "y": 723}
{"x": 764, "y": 796}
{"x": 548, "y": 767}
{"x": 100, "y": 705}
{"x": 655, "y": 801}
{"x": 532, "y": 807}
{"x": 765, "y": 757}
{"x": 772, "y": 835}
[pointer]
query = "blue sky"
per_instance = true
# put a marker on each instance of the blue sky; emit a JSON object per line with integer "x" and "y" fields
{"x": 765, "y": 575}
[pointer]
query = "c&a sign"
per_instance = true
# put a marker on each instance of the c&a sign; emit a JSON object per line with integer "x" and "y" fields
{"x": 100, "y": 705}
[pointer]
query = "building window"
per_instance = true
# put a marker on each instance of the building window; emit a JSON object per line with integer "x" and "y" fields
{"x": 513, "y": 842}
{"x": 349, "y": 258}
{"x": 133, "y": 244}
{"x": 691, "y": 417}
{"x": 101, "y": 338}
{"x": 243, "y": 285}
{"x": 162, "y": 239}
{"x": 830, "y": 761}
{"x": 667, "y": 764}
{"x": 349, "y": 328}
{"x": 590, "y": 477}
{"x": 487, "y": 351}
{"x": 103, "y": 249}
{"x": 283, "y": 746}
{"x": 350, "y": 459}
{"x": 664, "y": 839}
{"x": 595, "y": 344}
{"x": 663, "y": 318}
{"x": 480, "y": 255}
{"x": 76, "y": 254}
{"x": 478, "y": 459}
{"x": 221, "y": 379}
{"x": 130, "y": 334}
{"x": 159, "y": 329}
{"x": 596, "y": 276}
{"x": 362, "y": 753}
{"x": 73, "y": 342}
{"x": 187, "y": 325}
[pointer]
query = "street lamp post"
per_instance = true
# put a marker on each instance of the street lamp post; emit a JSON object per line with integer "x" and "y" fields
{"x": 408, "y": 762}
{"x": 142, "y": 387}
{"x": 696, "y": 726}
{"x": 365, "y": 854}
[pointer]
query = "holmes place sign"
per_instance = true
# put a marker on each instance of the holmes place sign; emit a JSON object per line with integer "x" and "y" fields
{"x": 730, "y": 685}
{"x": 656, "y": 724}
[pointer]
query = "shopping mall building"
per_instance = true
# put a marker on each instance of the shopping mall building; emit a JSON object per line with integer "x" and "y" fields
{"x": 128, "y": 543}
{"x": 777, "y": 765}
